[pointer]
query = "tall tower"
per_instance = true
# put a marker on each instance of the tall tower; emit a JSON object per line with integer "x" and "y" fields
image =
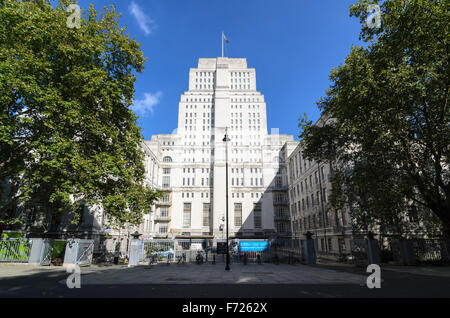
{"x": 222, "y": 95}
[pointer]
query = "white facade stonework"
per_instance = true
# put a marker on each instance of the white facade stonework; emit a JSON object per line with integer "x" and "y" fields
{"x": 190, "y": 163}
{"x": 310, "y": 185}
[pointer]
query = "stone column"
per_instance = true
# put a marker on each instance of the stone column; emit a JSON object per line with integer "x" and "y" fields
{"x": 311, "y": 257}
{"x": 373, "y": 250}
{"x": 70, "y": 256}
{"x": 134, "y": 252}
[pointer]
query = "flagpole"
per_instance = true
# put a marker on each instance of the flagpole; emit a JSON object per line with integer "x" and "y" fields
{"x": 222, "y": 43}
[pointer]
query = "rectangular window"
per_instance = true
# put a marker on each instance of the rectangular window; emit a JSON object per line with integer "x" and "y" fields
{"x": 257, "y": 218}
{"x": 278, "y": 181}
{"x": 238, "y": 214}
{"x": 166, "y": 198}
{"x": 163, "y": 228}
{"x": 164, "y": 212}
{"x": 206, "y": 214}
{"x": 166, "y": 182}
{"x": 166, "y": 170}
{"x": 187, "y": 215}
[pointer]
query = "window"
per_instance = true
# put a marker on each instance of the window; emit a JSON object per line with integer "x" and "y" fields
{"x": 238, "y": 214}
{"x": 166, "y": 198}
{"x": 166, "y": 182}
{"x": 163, "y": 227}
{"x": 166, "y": 170}
{"x": 164, "y": 212}
{"x": 206, "y": 214}
{"x": 257, "y": 216}
{"x": 278, "y": 181}
{"x": 187, "y": 215}
{"x": 341, "y": 244}
{"x": 167, "y": 159}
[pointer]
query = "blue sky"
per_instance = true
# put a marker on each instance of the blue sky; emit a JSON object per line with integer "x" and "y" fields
{"x": 292, "y": 44}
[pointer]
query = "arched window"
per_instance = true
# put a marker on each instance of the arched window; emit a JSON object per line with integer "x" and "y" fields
{"x": 167, "y": 159}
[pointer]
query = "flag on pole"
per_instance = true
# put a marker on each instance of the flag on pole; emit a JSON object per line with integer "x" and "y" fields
{"x": 225, "y": 38}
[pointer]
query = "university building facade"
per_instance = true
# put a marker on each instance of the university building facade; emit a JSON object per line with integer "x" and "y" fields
{"x": 190, "y": 164}
{"x": 310, "y": 184}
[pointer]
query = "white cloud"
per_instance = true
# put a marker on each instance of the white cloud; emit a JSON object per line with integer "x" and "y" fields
{"x": 145, "y": 106}
{"x": 145, "y": 23}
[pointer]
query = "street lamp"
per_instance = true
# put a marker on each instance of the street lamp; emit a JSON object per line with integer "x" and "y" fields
{"x": 226, "y": 140}
{"x": 324, "y": 219}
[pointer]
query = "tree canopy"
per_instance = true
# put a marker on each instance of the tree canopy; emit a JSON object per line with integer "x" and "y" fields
{"x": 67, "y": 133}
{"x": 390, "y": 105}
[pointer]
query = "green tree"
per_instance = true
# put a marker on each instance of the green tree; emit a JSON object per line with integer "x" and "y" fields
{"x": 67, "y": 134}
{"x": 390, "y": 105}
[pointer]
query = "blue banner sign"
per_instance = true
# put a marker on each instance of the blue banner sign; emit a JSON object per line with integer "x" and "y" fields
{"x": 253, "y": 246}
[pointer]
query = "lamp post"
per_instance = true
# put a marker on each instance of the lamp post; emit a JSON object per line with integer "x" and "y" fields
{"x": 323, "y": 209}
{"x": 226, "y": 140}
{"x": 221, "y": 229}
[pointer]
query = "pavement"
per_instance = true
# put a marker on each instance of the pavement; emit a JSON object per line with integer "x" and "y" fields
{"x": 212, "y": 281}
{"x": 215, "y": 274}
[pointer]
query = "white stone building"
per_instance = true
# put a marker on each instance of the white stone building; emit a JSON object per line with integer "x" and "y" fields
{"x": 190, "y": 163}
{"x": 310, "y": 185}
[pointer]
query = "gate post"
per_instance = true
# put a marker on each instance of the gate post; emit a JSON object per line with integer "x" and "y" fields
{"x": 311, "y": 258}
{"x": 134, "y": 252}
{"x": 37, "y": 251}
{"x": 70, "y": 257}
{"x": 373, "y": 250}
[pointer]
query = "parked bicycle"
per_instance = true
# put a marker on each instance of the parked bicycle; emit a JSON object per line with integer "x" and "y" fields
{"x": 181, "y": 259}
{"x": 153, "y": 259}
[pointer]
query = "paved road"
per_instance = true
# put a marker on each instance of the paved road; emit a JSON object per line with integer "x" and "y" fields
{"x": 209, "y": 281}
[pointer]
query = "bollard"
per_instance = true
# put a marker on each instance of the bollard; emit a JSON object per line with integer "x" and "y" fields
{"x": 214, "y": 259}
{"x": 258, "y": 257}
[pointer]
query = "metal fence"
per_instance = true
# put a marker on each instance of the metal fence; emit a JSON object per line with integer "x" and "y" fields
{"x": 418, "y": 251}
{"x": 15, "y": 250}
{"x": 407, "y": 251}
{"x": 54, "y": 251}
{"x": 186, "y": 251}
{"x": 431, "y": 250}
{"x": 358, "y": 249}
{"x": 85, "y": 252}
{"x": 289, "y": 251}
{"x": 158, "y": 250}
